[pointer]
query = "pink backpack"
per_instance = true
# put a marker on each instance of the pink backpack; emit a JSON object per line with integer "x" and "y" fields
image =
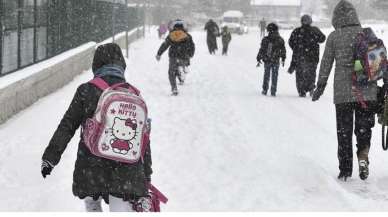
{"x": 118, "y": 130}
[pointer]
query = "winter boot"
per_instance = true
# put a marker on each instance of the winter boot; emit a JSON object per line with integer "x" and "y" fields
{"x": 363, "y": 162}
{"x": 180, "y": 75}
{"x": 344, "y": 176}
{"x": 264, "y": 93}
{"x": 364, "y": 169}
{"x": 175, "y": 92}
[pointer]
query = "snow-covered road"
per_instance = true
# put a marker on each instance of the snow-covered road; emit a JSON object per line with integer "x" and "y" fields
{"x": 218, "y": 146}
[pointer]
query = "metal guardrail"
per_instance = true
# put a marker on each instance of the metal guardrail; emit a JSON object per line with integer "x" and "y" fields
{"x": 35, "y": 30}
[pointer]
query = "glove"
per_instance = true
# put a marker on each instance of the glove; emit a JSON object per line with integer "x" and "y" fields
{"x": 158, "y": 57}
{"x": 291, "y": 70}
{"x": 258, "y": 63}
{"x": 46, "y": 168}
{"x": 283, "y": 62}
{"x": 318, "y": 91}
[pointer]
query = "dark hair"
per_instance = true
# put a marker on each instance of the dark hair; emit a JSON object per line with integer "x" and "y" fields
{"x": 306, "y": 20}
{"x": 272, "y": 27}
{"x": 107, "y": 54}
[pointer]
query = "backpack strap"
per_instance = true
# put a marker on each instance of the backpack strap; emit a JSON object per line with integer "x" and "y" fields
{"x": 128, "y": 86}
{"x": 103, "y": 85}
{"x": 159, "y": 194}
{"x": 100, "y": 83}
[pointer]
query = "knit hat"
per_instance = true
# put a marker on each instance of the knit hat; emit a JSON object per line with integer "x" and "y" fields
{"x": 272, "y": 27}
{"x": 306, "y": 20}
{"x": 108, "y": 54}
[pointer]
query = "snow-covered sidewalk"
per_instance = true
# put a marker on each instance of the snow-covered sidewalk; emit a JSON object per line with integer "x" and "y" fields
{"x": 218, "y": 146}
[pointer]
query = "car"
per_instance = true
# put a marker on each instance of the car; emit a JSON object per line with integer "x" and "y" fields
{"x": 234, "y": 20}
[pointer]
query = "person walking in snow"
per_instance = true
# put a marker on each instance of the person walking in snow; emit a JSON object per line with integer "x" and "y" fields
{"x": 96, "y": 178}
{"x": 340, "y": 47}
{"x": 181, "y": 48}
{"x": 213, "y": 31}
{"x": 272, "y": 50}
{"x": 304, "y": 42}
{"x": 162, "y": 30}
{"x": 263, "y": 25}
{"x": 226, "y": 38}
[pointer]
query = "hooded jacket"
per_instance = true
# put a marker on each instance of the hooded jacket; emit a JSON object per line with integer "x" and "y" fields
{"x": 340, "y": 46}
{"x": 94, "y": 176}
{"x": 180, "y": 43}
{"x": 304, "y": 42}
{"x": 272, "y": 48}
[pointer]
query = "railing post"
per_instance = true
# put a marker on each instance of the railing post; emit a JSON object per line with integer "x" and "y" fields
{"x": 126, "y": 29}
{"x": 19, "y": 32}
{"x": 35, "y": 48}
{"x": 113, "y": 21}
{"x": 1, "y": 34}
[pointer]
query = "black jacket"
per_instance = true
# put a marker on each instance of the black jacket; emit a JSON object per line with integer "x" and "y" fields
{"x": 304, "y": 41}
{"x": 212, "y": 29}
{"x": 226, "y": 36}
{"x": 272, "y": 49}
{"x": 180, "y": 43}
{"x": 94, "y": 176}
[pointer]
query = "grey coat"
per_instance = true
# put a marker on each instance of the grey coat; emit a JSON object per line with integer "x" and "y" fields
{"x": 340, "y": 47}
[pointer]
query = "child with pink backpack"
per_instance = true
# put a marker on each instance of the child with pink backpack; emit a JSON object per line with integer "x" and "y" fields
{"x": 114, "y": 156}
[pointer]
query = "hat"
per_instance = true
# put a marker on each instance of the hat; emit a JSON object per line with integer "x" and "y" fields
{"x": 272, "y": 27}
{"x": 108, "y": 54}
{"x": 306, "y": 20}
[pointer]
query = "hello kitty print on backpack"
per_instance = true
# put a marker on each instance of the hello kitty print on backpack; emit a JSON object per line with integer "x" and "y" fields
{"x": 118, "y": 130}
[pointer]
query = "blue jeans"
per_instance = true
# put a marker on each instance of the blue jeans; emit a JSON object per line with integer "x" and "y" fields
{"x": 274, "y": 68}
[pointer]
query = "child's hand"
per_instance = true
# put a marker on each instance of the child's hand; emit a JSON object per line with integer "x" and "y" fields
{"x": 158, "y": 57}
{"x": 46, "y": 168}
{"x": 258, "y": 63}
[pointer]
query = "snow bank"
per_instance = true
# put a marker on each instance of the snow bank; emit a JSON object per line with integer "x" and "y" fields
{"x": 22, "y": 88}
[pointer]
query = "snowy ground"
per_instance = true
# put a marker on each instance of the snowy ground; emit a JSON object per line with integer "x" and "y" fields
{"x": 219, "y": 146}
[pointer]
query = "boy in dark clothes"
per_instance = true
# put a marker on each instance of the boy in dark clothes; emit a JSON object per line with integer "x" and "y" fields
{"x": 181, "y": 49}
{"x": 271, "y": 51}
{"x": 226, "y": 38}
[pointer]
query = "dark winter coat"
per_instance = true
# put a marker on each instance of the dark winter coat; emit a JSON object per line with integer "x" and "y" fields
{"x": 94, "y": 176}
{"x": 304, "y": 42}
{"x": 213, "y": 31}
{"x": 272, "y": 49}
{"x": 180, "y": 43}
{"x": 226, "y": 37}
{"x": 340, "y": 46}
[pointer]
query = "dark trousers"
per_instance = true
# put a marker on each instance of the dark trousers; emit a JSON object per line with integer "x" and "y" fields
{"x": 364, "y": 122}
{"x": 306, "y": 73}
{"x": 212, "y": 44}
{"x": 270, "y": 70}
{"x": 225, "y": 47}
{"x": 262, "y": 32}
{"x": 173, "y": 72}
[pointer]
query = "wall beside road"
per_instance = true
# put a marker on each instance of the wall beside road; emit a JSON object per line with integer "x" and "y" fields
{"x": 24, "y": 87}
